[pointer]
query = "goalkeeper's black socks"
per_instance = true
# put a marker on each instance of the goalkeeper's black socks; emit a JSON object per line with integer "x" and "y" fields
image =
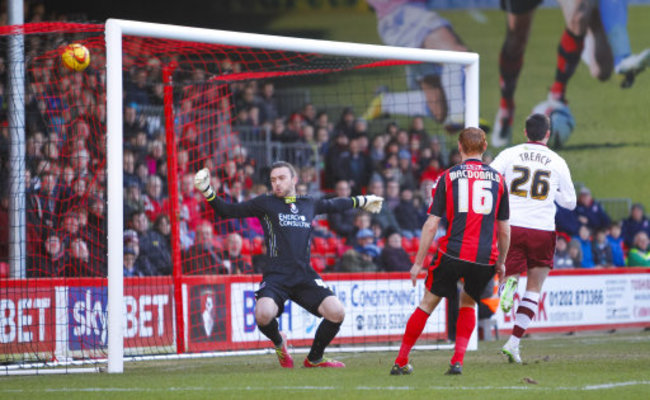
{"x": 272, "y": 332}
{"x": 324, "y": 335}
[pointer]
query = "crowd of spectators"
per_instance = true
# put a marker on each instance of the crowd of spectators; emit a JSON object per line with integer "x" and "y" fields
{"x": 588, "y": 238}
{"x": 66, "y": 178}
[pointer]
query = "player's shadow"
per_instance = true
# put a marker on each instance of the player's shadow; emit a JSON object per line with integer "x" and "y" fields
{"x": 594, "y": 146}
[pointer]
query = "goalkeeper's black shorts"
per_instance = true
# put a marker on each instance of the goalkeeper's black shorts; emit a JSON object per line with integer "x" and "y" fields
{"x": 309, "y": 292}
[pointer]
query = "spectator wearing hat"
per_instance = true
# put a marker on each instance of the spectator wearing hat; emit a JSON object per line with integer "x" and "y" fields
{"x": 590, "y": 212}
{"x": 393, "y": 257}
{"x": 130, "y": 267}
{"x": 635, "y": 223}
{"x": 132, "y": 241}
{"x": 366, "y": 242}
{"x": 639, "y": 255}
{"x": 360, "y": 258}
{"x": 405, "y": 166}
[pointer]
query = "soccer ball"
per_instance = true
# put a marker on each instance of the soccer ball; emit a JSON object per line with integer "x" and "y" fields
{"x": 75, "y": 57}
{"x": 562, "y": 121}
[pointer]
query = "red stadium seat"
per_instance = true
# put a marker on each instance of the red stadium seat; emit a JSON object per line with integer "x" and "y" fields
{"x": 318, "y": 263}
{"x": 257, "y": 246}
{"x": 319, "y": 245}
{"x": 336, "y": 245}
{"x": 324, "y": 223}
{"x": 246, "y": 246}
{"x": 409, "y": 245}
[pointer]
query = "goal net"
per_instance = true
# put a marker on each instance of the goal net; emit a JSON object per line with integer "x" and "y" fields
{"x": 109, "y": 220}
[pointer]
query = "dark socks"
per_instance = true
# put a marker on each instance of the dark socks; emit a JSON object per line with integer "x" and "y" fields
{"x": 324, "y": 335}
{"x": 272, "y": 332}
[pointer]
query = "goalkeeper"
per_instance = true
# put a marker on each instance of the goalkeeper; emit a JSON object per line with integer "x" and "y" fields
{"x": 287, "y": 219}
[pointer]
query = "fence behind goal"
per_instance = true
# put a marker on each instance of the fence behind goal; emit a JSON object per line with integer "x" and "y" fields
{"x": 191, "y": 100}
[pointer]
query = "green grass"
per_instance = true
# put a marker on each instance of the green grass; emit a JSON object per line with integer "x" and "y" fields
{"x": 609, "y": 149}
{"x": 563, "y": 367}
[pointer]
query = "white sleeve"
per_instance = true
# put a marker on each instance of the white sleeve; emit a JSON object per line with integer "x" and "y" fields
{"x": 566, "y": 196}
{"x": 500, "y": 162}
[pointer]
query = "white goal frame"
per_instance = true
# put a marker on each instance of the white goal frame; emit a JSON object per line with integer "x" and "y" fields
{"x": 116, "y": 28}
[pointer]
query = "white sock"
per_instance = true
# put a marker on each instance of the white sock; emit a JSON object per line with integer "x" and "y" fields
{"x": 524, "y": 316}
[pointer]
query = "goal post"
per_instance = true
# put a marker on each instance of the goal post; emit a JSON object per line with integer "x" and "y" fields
{"x": 116, "y": 29}
{"x": 115, "y": 256}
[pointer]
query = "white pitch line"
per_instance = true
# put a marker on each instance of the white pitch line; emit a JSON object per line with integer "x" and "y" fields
{"x": 603, "y": 386}
{"x": 615, "y": 385}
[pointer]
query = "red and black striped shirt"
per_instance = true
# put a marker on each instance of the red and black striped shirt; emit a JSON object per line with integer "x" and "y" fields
{"x": 473, "y": 197}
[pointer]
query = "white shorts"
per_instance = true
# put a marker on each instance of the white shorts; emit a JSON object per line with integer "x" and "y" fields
{"x": 408, "y": 26}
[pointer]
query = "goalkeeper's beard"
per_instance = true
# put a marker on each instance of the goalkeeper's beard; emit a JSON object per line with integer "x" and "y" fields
{"x": 289, "y": 191}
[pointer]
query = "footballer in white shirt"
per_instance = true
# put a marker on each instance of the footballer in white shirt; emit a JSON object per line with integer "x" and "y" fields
{"x": 536, "y": 178}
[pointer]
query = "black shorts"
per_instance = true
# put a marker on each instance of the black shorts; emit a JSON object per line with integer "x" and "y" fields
{"x": 519, "y": 6}
{"x": 308, "y": 293}
{"x": 445, "y": 272}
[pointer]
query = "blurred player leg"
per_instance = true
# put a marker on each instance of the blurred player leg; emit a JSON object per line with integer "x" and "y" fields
{"x": 333, "y": 314}
{"x": 412, "y": 25}
{"x": 597, "y": 49}
{"x": 511, "y": 61}
{"x": 577, "y": 15}
{"x": 613, "y": 14}
{"x": 526, "y": 311}
{"x": 414, "y": 328}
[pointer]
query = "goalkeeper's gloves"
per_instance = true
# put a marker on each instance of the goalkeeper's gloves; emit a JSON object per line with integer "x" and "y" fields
{"x": 370, "y": 203}
{"x": 202, "y": 183}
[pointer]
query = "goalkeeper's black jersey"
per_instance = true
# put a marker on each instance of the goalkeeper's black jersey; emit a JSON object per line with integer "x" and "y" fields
{"x": 287, "y": 227}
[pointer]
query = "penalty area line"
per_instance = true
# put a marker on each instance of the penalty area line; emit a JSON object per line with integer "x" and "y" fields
{"x": 602, "y": 386}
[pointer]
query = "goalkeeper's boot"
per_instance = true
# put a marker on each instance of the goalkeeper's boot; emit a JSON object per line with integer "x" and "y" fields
{"x": 507, "y": 294}
{"x": 631, "y": 66}
{"x": 323, "y": 363}
{"x": 502, "y": 133}
{"x": 285, "y": 359}
{"x": 455, "y": 369}
{"x": 511, "y": 351}
{"x": 374, "y": 109}
{"x": 405, "y": 370}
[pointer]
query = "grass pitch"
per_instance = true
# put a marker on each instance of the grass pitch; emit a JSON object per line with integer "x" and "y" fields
{"x": 585, "y": 366}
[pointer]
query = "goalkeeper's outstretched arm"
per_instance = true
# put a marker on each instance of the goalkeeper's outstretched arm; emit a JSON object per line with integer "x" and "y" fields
{"x": 369, "y": 203}
{"x": 220, "y": 207}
